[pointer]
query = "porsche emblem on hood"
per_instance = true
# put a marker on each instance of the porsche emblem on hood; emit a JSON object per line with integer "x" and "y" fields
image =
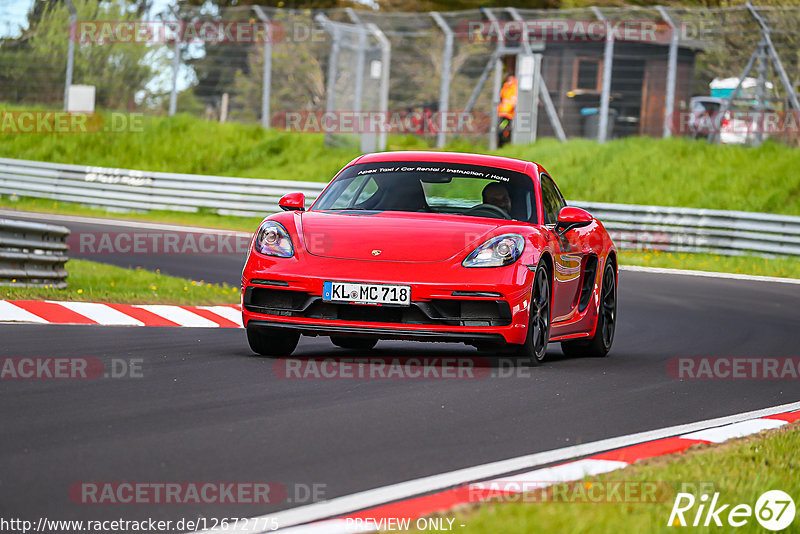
{"x": 376, "y": 252}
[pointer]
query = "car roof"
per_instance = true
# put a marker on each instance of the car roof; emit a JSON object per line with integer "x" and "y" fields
{"x": 485, "y": 160}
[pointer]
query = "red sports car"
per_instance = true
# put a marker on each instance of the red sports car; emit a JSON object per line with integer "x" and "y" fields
{"x": 433, "y": 246}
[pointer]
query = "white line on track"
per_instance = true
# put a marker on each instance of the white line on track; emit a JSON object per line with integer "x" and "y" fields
{"x": 709, "y": 274}
{"x": 404, "y": 490}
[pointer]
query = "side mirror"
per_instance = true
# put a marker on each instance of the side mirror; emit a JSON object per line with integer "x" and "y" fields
{"x": 293, "y": 202}
{"x": 570, "y": 217}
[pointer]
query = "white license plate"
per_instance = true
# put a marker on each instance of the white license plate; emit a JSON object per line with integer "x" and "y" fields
{"x": 366, "y": 293}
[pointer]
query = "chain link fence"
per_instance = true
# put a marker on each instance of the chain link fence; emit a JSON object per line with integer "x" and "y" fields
{"x": 728, "y": 74}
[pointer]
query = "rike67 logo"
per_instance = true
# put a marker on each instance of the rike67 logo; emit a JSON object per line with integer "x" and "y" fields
{"x": 774, "y": 510}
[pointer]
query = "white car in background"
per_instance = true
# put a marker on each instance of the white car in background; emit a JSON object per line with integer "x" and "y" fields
{"x": 736, "y": 127}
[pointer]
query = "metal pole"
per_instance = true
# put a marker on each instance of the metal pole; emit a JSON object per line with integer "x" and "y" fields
{"x": 173, "y": 94}
{"x": 498, "y": 80}
{"x": 540, "y": 90}
{"x": 386, "y": 58}
{"x": 481, "y": 82}
{"x": 537, "y": 78}
{"x": 266, "y": 83}
{"x": 73, "y": 20}
{"x": 526, "y": 45}
{"x": 533, "y": 101}
{"x": 555, "y": 122}
{"x": 761, "y": 69}
{"x": 776, "y": 60}
{"x": 362, "y": 45}
{"x": 672, "y": 67}
{"x": 333, "y": 58}
{"x": 444, "y": 81}
{"x": 608, "y": 60}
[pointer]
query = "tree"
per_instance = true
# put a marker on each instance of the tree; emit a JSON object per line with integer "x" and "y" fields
{"x": 34, "y": 65}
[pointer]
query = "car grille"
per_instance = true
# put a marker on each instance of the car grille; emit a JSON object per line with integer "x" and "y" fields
{"x": 446, "y": 312}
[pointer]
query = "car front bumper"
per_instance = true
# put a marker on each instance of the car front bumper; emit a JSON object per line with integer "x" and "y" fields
{"x": 474, "y": 305}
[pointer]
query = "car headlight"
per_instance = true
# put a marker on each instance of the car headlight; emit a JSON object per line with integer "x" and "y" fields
{"x": 498, "y": 251}
{"x": 272, "y": 239}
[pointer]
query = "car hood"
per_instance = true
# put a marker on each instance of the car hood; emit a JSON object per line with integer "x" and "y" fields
{"x": 392, "y": 236}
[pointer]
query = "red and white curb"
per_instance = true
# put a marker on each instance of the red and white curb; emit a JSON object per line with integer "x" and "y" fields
{"x": 66, "y": 312}
{"x": 372, "y": 509}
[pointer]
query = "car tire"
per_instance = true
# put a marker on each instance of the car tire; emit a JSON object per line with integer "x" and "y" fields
{"x": 354, "y": 343}
{"x": 272, "y": 343}
{"x": 600, "y": 344}
{"x": 534, "y": 350}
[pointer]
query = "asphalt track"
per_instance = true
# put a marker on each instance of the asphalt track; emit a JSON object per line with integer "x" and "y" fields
{"x": 205, "y": 409}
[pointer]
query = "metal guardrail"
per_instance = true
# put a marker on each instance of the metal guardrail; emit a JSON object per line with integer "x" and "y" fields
{"x": 631, "y": 226}
{"x": 32, "y": 254}
{"x": 698, "y": 230}
{"x": 143, "y": 190}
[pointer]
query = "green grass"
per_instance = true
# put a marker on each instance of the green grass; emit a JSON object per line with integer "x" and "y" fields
{"x": 185, "y": 144}
{"x": 96, "y": 282}
{"x": 781, "y": 267}
{"x": 740, "y": 470}
{"x": 636, "y": 170}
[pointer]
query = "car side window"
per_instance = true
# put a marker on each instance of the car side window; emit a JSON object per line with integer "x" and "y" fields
{"x": 350, "y": 188}
{"x": 552, "y": 201}
{"x": 369, "y": 189}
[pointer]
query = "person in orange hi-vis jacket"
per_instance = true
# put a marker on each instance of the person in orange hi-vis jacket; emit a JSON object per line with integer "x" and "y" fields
{"x": 506, "y": 109}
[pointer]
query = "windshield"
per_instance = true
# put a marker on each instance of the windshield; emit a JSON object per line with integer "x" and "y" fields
{"x": 458, "y": 189}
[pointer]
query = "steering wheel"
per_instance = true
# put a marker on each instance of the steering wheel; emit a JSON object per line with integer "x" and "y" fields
{"x": 487, "y": 210}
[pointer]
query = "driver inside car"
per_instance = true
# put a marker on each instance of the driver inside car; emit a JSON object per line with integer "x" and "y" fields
{"x": 496, "y": 194}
